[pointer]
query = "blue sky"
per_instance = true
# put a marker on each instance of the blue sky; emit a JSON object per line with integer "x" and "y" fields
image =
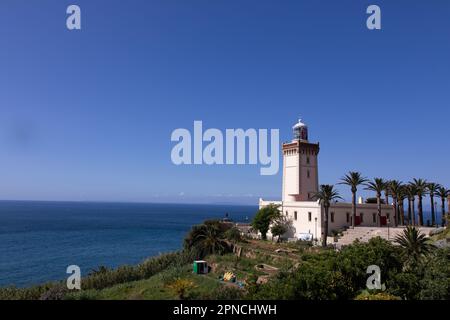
{"x": 87, "y": 115}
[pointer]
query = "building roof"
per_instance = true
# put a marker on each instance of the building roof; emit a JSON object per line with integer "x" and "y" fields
{"x": 299, "y": 124}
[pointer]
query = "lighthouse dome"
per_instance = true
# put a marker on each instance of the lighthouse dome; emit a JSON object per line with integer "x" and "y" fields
{"x": 300, "y": 131}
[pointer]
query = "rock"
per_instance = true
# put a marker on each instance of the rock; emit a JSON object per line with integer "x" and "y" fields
{"x": 443, "y": 243}
{"x": 262, "y": 279}
{"x": 436, "y": 231}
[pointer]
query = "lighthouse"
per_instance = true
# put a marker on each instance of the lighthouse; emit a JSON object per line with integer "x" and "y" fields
{"x": 300, "y": 166}
{"x": 301, "y": 183}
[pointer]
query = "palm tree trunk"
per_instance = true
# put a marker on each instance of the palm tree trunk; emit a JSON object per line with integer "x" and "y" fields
{"x": 353, "y": 209}
{"x": 395, "y": 211}
{"x": 379, "y": 209}
{"x": 413, "y": 211}
{"x": 386, "y": 197}
{"x": 443, "y": 212}
{"x": 420, "y": 211}
{"x": 325, "y": 228}
{"x": 433, "y": 218}
{"x": 409, "y": 212}
{"x": 401, "y": 212}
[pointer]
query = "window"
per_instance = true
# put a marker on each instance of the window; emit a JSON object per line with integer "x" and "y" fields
{"x": 295, "y": 215}
{"x": 388, "y": 215}
{"x": 307, "y": 174}
{"x": 348, "y": 217}
{"x": 287, "y": 213}
{"x": 332, "y": 217}
{"x": 361, "y": 215}
{"x": 374, "y": 217}
{"x": 307, "y": 160}
{"x": 309, "y": 216}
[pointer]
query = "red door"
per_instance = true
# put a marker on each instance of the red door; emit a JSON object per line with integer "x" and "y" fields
{"x": 357, "y": 220}
{"x": 383, "y": 220}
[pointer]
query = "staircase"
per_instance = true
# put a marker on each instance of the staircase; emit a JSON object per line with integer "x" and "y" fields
{"x": 364, "y": 234}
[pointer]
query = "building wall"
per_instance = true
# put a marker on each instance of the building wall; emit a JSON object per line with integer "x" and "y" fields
{"x": 300, "y": 171}
{"x": 290, "y": 175}
{"x": 448, "y": 204}
{"x": 303, "y": 215}
{"x": 368, "y": 212}
{"x": 309, "y": 175}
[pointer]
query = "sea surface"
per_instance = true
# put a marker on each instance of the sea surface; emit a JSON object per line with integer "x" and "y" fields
{"x": 38, "y": 240}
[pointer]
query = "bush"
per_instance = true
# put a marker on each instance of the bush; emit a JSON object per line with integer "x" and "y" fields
{"x": 376, "y": 296}
{"x": 208, "y": 238}
{"x": 31, "y": 293}
{"x": 172, "y": 274}
{"x": 264, "y": 217}
{"x": 150, "y": 267}
{"x": 435, "y": 283}
{"x": 333, "y": 275}
{"x": 181, "y": 286}
{"x": 353, "y": 260}
{"x": 57, "y": 292}
{"x": 233, "y": 234}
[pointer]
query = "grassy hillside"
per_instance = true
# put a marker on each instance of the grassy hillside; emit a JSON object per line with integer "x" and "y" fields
{"x": 267, "y": 270}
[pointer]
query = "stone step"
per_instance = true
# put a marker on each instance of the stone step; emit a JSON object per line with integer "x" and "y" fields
{"x": 364, "y": 234}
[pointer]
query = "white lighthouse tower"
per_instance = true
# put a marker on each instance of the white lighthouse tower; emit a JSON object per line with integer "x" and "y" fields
{"x": 301, "y": 182}
{"x": 300, "y": 166}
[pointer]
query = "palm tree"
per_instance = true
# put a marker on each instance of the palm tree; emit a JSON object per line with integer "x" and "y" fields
{"x": 415, "y": 246}
{"x": 377, "y": 185}
{"x": 442, "y": 193}
{"x": 353, "y": 179}
{"x": 411, "y": 194}
{"x": 206, "y": 238}
{"x": 432, "y": 189}
{"x": 326, "y": 195}
{"x": 395, "y": 189}
{"x": 421, "y": 190}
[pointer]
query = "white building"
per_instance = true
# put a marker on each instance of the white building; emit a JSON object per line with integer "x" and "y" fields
{"x": 301, "y": 182}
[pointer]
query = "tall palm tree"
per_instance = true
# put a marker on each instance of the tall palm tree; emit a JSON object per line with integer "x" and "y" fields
{"x": 326, "y": 195}
{"x": 353, "y": 180}
{"x": 414, "y": 246}
{"x": 377, "y": 186}
{"x": 442, "y": 193}
{"x": 432, "y": 189}
{"x": 395, "y": 189}
{"x": 401, "y": 197}
{"x": 411, "y": 194}
{"x": 421, "y": 190}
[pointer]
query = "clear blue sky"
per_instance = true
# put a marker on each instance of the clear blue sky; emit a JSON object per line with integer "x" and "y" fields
{"x": 87, "y": 115}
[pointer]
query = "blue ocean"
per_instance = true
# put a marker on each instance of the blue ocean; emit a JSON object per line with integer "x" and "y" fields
{"x": 38, "y": 240}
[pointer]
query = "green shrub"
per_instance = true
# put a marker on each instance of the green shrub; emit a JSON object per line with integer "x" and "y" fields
{"x": 148, "y": 268}
{"x": 171, "y": 274}
{"x": 233, "y": 234}
{"x": 376, "y": 296}
{"x": 100, "y": 278}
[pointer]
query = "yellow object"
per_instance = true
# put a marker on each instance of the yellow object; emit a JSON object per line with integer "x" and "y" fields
{"x": 228, "y": 276}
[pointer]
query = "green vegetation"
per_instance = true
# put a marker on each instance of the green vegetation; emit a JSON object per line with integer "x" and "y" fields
{"x": 264, "y": 217}
{"x": 377, "y": 186}
{"x": 415, "y": 247}
{"x": 353, "y": 180}
{"x": 208, "y": 238}
{"x": 410, "y": 269}
{"x": 326, "y": 195}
